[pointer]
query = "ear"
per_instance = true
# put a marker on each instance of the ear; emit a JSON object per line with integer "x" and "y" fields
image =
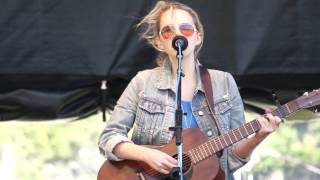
{"x": 158, "y": 44}
{"x": 199, "y": 38}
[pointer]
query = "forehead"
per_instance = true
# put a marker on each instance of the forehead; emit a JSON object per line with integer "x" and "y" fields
{"x": 175, "y": 16}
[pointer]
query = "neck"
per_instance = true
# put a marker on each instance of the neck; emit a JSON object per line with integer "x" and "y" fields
{"x": 187, "y": 65}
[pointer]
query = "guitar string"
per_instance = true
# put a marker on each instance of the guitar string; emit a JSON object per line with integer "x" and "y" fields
{"x": 153, "y": 172}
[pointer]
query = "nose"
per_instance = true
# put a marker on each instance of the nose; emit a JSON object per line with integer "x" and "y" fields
{"x": 177, "y": 31}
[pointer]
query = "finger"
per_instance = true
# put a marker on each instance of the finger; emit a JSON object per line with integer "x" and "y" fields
{"x": 265, "y": 124}
{"x": 169, "y": 166}
{"x": 163, "y": 171}
{"x": 160, "y": 167}
{"x": 263, "y": 120}
{"x": 278, "y": 120}
{"x": 275, "y": 120}
{"x": 269, "y": 117}
{"x": 172, "y": 160}
{"x": 268, "y": 110}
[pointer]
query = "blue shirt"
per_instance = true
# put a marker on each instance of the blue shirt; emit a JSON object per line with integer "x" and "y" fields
{"x": 188, "y": 120}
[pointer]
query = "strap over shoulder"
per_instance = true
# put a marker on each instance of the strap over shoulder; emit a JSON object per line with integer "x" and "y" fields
{"x": 206, "y": 81}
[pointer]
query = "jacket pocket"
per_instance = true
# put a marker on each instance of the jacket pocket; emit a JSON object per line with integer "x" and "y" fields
{"x": 222, "y": 105}
{"x": 149, "y": 120}
{"x": 151, "y": 106}
{"x": 222, "y": 109}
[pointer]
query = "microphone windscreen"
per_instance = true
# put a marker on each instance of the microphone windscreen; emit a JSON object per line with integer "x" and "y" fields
{"x": 179, "y": 41}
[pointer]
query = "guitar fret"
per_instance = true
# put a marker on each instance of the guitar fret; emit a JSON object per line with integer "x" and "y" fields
{"x": 230, "y": 138}
{"x": 224, "y": 140}
{"x": 207, "y": 150}
{"x": 219, "y": 140}
{"x": 197, "y": 152}
{"x": 214, "y": 140}
{"x": 257, "y": 124}
{"x": 239, "y": 130}
{"x": 287, "y": 108}
{"x": 251, "y": 127}
{"x": 195, "y": 156}
{"x": 201, "y": 153}
{"x": 236, "y": 133}
{"x": 212, "y": 146}
{"x": 227, "y": 138}
{"x": 204, "y": 151}
{"x": 235, "y": 138}
{"x": 245, "y": 128}
{"x": 243, "y": 131}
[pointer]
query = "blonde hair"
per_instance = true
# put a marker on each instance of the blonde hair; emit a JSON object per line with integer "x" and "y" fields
{"x": 151, "y": 24}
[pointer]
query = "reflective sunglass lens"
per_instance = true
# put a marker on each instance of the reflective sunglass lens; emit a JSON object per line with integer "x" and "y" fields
{"x": 186, "y": 29}
{"x": 166, "y": 32}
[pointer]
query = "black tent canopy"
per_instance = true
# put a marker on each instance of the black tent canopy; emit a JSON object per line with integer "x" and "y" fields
{"x": 55, "y": 54}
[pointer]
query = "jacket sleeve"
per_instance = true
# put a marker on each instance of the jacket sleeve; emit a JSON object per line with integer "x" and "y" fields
{"x": 237, "y": 119}
{"x": 121, "y": 120}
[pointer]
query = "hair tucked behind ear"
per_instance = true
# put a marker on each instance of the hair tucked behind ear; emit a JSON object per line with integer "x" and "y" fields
{"x": 150, "y": 24}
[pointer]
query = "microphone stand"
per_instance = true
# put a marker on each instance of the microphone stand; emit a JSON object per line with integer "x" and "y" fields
{"x": 178, "y": 172}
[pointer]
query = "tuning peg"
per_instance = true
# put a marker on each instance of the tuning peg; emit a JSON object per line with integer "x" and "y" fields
{"x": 275, "y": 98}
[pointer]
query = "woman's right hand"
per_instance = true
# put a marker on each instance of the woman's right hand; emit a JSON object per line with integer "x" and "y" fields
{"x": 159, "y": 160}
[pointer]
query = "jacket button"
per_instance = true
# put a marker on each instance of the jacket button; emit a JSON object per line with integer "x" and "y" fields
{"x": 209, "y": 133}
{"x": 200, "y": 113}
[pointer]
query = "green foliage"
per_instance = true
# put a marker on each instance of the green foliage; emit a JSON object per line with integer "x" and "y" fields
{"x": 66, "y": 150}
{"x": 289, "y": 148}
{"x": 37, "y": 146}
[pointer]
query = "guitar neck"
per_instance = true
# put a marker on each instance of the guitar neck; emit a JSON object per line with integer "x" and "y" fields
{"x": 235, "y": 135}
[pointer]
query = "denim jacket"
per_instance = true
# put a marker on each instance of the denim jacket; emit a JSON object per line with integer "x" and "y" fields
{"x": 148, "y": 106}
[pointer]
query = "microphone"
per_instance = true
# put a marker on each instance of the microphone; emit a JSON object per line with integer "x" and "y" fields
{"x": 179, "y": 41}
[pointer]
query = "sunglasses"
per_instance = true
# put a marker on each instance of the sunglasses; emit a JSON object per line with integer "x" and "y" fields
{"x": 185, "y": 29}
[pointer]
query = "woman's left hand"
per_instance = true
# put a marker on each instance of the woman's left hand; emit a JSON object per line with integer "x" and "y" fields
{"x": 269, "y": 123}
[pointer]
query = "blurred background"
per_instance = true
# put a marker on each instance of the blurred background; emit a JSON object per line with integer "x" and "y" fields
{"x": 55, "y": 55}
{"x": 65, "y": 149}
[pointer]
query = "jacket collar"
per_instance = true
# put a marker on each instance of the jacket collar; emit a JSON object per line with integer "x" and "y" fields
{"x": 165, "y": 80}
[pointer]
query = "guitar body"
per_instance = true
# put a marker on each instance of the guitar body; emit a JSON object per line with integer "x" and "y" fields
{"x": 207, "y": 169}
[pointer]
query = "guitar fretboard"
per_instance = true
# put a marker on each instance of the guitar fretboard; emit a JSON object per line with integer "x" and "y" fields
{"x": 219, "y": 143}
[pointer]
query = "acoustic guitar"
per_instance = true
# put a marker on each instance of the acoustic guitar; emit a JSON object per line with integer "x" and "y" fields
{"x": 199, "y": 152}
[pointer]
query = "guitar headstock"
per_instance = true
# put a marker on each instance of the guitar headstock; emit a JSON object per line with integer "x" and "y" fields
{"x": 316, "y": 109}
{"x": 310, "y": 100}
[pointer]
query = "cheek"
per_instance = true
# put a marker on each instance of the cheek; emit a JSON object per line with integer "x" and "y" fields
{"x": 168, "y": 45}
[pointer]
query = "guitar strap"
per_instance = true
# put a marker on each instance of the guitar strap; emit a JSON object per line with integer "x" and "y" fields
{"x": 206, "y": 81}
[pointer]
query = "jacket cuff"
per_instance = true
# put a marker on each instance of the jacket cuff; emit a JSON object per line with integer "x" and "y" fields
{"x": 236, "y": 162}
{"x": 115, "y": 140}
